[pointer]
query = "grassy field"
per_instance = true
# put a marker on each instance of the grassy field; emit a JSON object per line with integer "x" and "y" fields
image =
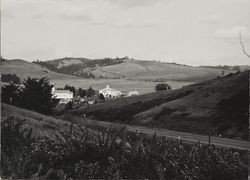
{"x": 218, "y": 106}
{"x": 120, "y": 84}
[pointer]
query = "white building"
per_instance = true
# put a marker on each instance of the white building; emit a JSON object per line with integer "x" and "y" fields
{"x": 110, "y": 92}
{"x": 133, "y": 93}
{"x": 64, "y": 95}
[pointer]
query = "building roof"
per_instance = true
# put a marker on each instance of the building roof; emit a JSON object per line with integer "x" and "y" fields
{"x": 108, "y": 88}
{"x": 62, "y": 91}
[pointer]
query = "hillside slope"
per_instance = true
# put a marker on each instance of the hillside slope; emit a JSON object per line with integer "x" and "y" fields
{"x": 218, "y": 106}
{"x": 152, "y": 70}
{"x": 41, "y": 125}
{"x": 126, "y": 68}
{"x": 23, "y": 69}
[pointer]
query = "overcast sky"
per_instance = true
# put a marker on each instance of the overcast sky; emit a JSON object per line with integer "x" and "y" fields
{"x": 195, "y": 32}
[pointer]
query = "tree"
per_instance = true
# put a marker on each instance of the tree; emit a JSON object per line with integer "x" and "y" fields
{"x": 243, "y": 47}
{"x": 11, "y": 94}
{"x": 71, "y": 88}
{"x": 69, "y": 106}
{"x": 90, "y": 92}
{"x": 81, "y": 92}
{"x": 160, "y": 87}
{"x": 101, "y": 97}
{"x": 12, "y": 78}
{"x": 36, "y": 95}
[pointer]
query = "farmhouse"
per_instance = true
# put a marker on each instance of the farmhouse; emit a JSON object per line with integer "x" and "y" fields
{"x": 110, "y": 92}
{"x": 64, "y": 95}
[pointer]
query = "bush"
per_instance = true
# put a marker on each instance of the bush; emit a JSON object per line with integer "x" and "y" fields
{"x": 11, "y": 78}
{"x": 81, "y": 92}
{"x": 11, "y": 94}
{"x": 160, "y": 87}
{"x": 90, "y": 92}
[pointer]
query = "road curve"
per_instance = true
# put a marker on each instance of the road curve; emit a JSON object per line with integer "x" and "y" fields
{"x": 189, "y": 137}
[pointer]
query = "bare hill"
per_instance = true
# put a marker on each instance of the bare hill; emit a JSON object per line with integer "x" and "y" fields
{"x": 23, "y": 69}
{"x": 218, "y": 106}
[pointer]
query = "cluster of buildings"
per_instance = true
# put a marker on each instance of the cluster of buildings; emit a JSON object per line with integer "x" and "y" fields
{"x": 66, "y": 95}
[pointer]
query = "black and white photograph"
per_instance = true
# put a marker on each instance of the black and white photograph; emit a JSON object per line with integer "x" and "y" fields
{"x": 125, "y": 89}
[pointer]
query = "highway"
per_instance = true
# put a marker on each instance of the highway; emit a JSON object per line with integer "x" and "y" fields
{"x": 189, "y": 137}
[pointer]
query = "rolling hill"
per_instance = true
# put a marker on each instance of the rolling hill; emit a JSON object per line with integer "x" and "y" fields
{"x": 157, "y": 71}
{"x": 121, "y": 73}
{"x": 23, "y": 69}
{"x": 218, "y": 106}
{"x": 125, "y": 68}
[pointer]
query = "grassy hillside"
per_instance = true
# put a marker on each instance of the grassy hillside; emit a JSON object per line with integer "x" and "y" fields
{"x": 81, "y": 67}
{"x": 125, "y": 68}
{"x": 41, "y": 125}
{"x": 218, "y": 106}
{"x": 23, "y": 69}
{"x": 152, "y": 70}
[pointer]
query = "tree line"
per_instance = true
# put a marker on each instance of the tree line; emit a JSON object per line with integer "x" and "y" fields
{"x": 35, "y": 95}
{"x": 90, "y": 92}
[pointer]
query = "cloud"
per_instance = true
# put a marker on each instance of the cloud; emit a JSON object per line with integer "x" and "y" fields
{"x": 77, "y": 16}
{"x": 233, "y": 33}
{"x": 210, "y": 20}
{"x": 137, "y": 22}
{"x": 133, "y": 3}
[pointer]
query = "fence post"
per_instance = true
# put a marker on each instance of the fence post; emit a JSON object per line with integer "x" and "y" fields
{"x": 179, "y": 143}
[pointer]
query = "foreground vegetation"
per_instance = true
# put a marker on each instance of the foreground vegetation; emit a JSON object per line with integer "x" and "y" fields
{"x": 78, "y": 152}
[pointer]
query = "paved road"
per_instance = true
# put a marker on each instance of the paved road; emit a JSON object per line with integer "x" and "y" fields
{"x": 224, "y": 142}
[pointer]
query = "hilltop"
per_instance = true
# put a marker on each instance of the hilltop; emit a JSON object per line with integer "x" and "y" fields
{"x": 218, "y": 106}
